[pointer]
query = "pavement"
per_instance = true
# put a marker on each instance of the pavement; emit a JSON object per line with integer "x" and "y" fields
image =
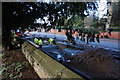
{"x": 104, "y": 43}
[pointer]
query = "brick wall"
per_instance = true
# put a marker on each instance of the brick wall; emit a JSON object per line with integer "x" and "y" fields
{"x": 114, "y": 35}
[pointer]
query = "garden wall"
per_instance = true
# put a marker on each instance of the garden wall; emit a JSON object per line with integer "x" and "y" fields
{"x": 45, "y": 66}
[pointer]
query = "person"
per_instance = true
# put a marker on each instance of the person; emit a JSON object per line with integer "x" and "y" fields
{"x": 36, "y": 40}
{"x": 51, "y": 41}
{"x": 40, "y": 43}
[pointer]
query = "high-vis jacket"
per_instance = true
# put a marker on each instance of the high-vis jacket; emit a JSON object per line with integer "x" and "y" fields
{"x": 36, "y": 40}
{"x": 51, "y": 40}
{"x": 40, "y": 42}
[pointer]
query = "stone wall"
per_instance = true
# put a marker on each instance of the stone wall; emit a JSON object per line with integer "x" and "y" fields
{"x": 45, "y": 66}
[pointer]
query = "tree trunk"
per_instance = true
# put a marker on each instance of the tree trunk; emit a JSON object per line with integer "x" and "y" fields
{"x": 6, "y": 37}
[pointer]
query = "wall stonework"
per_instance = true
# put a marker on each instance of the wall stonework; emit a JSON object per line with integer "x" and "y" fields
{"x": 44, "y": 65}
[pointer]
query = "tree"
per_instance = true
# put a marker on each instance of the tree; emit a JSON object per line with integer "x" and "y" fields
{"x": 23, "y": 14}
{"x": 73, "y": 15}
{"x": 88, "y": 20}
{"x": 15, "y": 15}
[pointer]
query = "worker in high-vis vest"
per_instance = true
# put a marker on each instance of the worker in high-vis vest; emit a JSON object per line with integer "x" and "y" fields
{"x": 36, "y": 40}
{"x": 40, "y": 43}
{"x": 51, "y": 41}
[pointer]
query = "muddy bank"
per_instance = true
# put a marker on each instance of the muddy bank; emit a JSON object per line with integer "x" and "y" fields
{"x": 97, "y": 63}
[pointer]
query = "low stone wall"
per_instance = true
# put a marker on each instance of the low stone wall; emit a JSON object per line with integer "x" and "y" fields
{"x": 44, "y": 65}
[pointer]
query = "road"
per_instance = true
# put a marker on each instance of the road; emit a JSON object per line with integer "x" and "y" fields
{"x": 104, "y": 43}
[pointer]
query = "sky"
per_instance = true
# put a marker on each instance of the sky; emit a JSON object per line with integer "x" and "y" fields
{"x": 102, "y": 9}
